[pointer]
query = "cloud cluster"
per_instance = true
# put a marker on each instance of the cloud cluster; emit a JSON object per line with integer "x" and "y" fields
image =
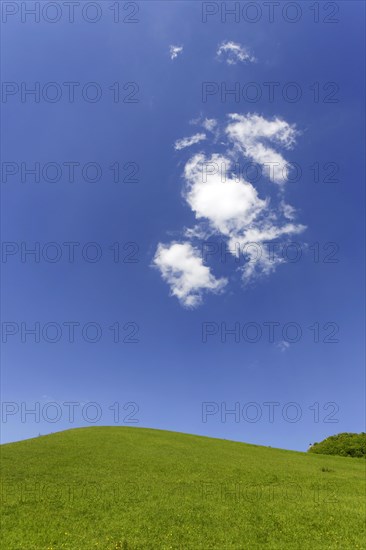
{"x": 226, "y": 205}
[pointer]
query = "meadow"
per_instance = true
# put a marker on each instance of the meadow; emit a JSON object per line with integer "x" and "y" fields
{"x": 135, "y": 488}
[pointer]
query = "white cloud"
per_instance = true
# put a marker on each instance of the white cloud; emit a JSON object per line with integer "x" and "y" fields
{"x": 251, "y": 133}
{"x": 228, "y": 204}
{"x": 188, "y": 141}
{"x": 233, "y": 53}
{"x": 175, "y": 51}
{"x": 181, "y": 266}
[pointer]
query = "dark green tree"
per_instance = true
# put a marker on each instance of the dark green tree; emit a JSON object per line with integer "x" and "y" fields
{"x": 343, "y": 444}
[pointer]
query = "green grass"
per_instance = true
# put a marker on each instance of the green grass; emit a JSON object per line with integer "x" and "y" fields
{"x": 135, "y": 488}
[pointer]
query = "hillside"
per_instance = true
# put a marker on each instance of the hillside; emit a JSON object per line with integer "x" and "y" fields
{"x": 135, "y": 488}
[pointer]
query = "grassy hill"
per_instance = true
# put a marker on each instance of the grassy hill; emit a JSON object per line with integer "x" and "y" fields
{"x": 133, "y": 488}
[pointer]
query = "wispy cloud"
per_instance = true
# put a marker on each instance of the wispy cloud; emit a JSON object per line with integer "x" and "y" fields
{"x": 288, "y": 211}
{"x": 175, "y": 51}
{"x": 233, "y": 53}
{"x": 251, "y": 135}
{"x": 258, "y": 263}
{"x": 188, "y": 141}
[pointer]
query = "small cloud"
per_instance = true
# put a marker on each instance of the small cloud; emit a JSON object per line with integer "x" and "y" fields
{"x": 181, "y": 266}
{"x": 175, "y": 51}
{"x": 188, "y": 141}
{"x": 232, "y": 53}
{"x": 283, "y": 345}
{"x": 209, "y": 124}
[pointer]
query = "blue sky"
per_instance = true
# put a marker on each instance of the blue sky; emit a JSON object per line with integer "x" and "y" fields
{"x": 169, "y": 372}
